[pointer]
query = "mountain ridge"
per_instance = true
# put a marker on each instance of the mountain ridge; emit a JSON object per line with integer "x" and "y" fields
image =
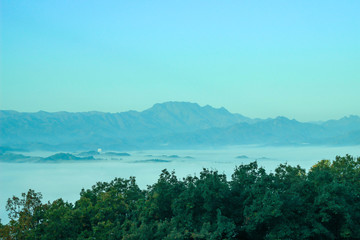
{"x": 170, "y": 124}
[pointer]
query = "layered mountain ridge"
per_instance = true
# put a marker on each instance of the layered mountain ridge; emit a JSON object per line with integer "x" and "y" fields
{"x": 166, "y": 125}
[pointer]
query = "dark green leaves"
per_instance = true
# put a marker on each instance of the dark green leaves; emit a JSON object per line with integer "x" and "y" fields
{"x": 288, "y": 203}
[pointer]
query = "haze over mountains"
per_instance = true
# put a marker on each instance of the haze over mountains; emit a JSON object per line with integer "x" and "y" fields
{"x": 166, "y": 125}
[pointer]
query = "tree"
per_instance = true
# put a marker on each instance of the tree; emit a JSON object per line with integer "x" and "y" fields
{"x": 288, "y": 203}
{"x": 26, "y": 216}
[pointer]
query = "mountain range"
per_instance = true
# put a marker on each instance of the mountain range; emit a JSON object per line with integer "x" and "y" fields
{"x": 166, "y": 125}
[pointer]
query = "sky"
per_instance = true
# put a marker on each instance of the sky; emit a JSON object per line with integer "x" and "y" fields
{"x": 299, "y": 59}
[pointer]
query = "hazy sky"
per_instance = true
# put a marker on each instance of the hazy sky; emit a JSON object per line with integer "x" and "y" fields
{"x": 299, "y": 59}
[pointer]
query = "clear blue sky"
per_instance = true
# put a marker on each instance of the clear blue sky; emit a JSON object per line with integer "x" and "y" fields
{"x": 299, "y": 59}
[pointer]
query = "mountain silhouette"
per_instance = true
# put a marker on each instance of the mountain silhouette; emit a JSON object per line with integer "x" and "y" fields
{"x": 169, "y": 124}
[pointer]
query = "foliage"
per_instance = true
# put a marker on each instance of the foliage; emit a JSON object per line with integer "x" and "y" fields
{"x": 288, "y": 203}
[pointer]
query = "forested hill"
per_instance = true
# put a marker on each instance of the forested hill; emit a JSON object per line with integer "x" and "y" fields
{"x": 166, "y": 125}
{"x": 289, "y": 203}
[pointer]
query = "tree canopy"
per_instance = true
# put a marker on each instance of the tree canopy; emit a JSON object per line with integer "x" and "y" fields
{"x": 289, "y": 203}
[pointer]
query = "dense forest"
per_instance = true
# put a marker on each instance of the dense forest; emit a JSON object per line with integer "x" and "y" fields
{"x": 288, "y": 203}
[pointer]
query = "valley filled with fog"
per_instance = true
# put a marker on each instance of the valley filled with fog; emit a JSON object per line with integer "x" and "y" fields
{"x": 92, "y": 93}
{"x": 65, "y": 178}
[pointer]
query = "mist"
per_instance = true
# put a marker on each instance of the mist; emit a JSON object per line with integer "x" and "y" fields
{"x": 65, "y": 179}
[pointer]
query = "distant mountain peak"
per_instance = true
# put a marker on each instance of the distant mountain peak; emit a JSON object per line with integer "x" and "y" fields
{"x": 176, "y": 104}
{"x": 178, "y": 107}
{"x": 351, "y": 117}
{"x": 285, "y": 119}
{"x": 281, "y": 118}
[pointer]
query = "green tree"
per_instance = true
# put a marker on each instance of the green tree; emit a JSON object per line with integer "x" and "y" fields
{"x": 26, "y": 216}
{"x": 59, "y": 221}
